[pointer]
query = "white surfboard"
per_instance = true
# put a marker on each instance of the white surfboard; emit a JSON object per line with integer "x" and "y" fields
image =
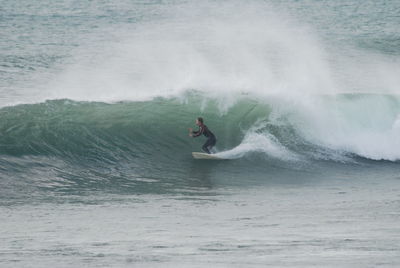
{"x": 198, "y": 155}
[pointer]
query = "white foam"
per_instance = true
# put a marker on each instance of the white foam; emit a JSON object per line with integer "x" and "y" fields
{"x": 259, "y": 143}
{"x": 366, "y": 125}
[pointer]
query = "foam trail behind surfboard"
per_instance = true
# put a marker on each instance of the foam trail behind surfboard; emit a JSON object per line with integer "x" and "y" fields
{"x": 256, "y": 142}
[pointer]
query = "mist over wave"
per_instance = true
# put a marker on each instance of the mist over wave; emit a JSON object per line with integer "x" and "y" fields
{"x": 221, "y": 49}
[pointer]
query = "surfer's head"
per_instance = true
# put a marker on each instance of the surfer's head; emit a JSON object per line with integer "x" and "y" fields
{"x": 199, "y": 121}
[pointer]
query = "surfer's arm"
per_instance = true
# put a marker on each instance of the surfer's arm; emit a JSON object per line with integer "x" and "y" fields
{"x": 197, "y": 133}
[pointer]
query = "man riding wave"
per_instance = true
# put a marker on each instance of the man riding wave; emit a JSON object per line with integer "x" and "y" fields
{"x": 203, "y": 129}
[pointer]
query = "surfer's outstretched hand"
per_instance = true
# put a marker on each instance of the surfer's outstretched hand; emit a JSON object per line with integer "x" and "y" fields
{"x": 190, "y": 132}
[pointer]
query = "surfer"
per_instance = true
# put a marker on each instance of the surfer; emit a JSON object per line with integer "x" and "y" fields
{"x": 203, "y": 129}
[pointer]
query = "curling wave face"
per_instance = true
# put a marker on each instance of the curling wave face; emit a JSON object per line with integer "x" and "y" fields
{"x": 328, "y": 127}
{"x": 65, "y": 146}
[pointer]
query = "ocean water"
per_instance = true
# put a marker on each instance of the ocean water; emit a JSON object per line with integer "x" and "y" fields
{"x": 95, "y": 161}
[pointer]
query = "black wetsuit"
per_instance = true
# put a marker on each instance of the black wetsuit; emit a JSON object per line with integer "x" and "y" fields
{"x": 211, "y": 140}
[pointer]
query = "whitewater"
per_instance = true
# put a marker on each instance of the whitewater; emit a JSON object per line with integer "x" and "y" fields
{"x": 95, "y": 159}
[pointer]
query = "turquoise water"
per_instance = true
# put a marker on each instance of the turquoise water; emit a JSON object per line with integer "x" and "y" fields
{"x": 95, "y": 160}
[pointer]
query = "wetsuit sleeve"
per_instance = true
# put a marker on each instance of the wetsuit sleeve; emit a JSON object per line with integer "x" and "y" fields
{"x": 198, "y": 133}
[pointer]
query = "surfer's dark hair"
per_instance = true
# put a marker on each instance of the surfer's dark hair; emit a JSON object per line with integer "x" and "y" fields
{"x": 200, "y": 119}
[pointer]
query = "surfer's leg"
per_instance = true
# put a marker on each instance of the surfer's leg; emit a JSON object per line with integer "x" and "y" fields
{"x": 209, "y": 144}
{"x": 213, "y": 141}
{"x": 205, "y": 149}
{"x": 206, "y": 145}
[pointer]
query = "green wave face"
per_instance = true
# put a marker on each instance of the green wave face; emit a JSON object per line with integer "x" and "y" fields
{"x": 159, "y": 128}
{"x": 122, "y": 130}
{"x": 144, "y": 146}
{"x": 136, "y": 147}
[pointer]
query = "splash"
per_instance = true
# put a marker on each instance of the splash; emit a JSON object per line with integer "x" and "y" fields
{"x": 207, "y": 47}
